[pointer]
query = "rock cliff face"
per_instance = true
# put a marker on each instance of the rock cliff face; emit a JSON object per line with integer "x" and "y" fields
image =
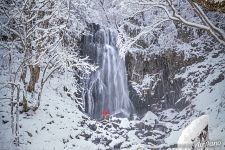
{"x": 152, "y": 82}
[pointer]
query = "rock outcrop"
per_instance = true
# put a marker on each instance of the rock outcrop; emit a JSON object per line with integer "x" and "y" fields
{"x": 152, "y": 82}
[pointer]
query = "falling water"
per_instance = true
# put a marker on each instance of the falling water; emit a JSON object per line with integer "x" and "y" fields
{"x": 107, "y": 88}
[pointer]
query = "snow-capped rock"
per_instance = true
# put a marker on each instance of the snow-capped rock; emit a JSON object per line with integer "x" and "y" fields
{"x": 191, "y": 132}
{"x": 150, "y": 118}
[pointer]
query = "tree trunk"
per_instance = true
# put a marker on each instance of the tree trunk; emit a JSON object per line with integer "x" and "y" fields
{"x": 17, "y": 117}
{"x": 12, "y": 95}
{"x": 25, "y": 105}
{"x": 34, "y": 76}
{"x": 211, "y": 5}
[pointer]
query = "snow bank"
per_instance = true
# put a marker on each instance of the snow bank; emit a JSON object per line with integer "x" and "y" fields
{"x": 125, "y": 123}
{"x": 192, "y": 131}
{"x": 149, "y": 118}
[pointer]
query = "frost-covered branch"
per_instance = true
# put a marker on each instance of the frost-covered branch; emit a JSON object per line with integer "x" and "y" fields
{"x": 42, "y": 30}
{"x": 170, "y": 12}
{"x": 146, "y": 30}
{"x": 208, "y": 26}
{"x": 212, "y": 5}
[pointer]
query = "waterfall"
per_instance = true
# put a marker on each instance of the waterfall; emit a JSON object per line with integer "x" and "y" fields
{"x": 106, "y": 88}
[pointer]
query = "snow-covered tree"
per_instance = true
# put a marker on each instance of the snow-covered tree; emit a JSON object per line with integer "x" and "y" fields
{"x": 212, "y": 5}
{"x": 142, "y": 19}
{"x": 39, "y": 38}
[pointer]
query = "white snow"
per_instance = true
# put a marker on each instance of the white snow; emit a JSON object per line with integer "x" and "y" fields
{"x": 57, "y": 124}
{"x": 192, "y": 131}
{"x": 125, "y": 123}
{"x": 150, "y": 118}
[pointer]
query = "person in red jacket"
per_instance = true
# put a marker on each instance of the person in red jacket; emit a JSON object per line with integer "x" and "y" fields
{"x": 105, "y": 114}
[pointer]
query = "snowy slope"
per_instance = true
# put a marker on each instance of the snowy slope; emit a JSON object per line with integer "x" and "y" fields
{"x": 205, "y": 83}
{"x": 59, "y": 124}
{"x": 52, "y": 125}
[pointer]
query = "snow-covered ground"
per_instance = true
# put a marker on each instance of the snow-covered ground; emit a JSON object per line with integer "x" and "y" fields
{"x": 59, "y": 124}
{"x": 205, "y": 80}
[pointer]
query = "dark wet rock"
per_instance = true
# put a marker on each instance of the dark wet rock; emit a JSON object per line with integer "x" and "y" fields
{"x": 85, "y": 135}
{"x": 65, "y": 141}
{"x": 117, "y": 146}
{"x": 29, "y": 134}
{"x": 215, "y": 55}
{"x": 127, "y": 146}
{"x": 106, "y": 141}
{"x": 148, "y": 133}
{"x": 217, "y": 80}
{"x": 69, "y": 95}
{"x": 96, "y": 141}
{"x": 5, "y": 121}
{"x": 140, "y": 125}
{"x": 108, "y": 126}
{"x": 139, "y": 134}
{"x": 65, "y": 89}
{"x": 71, "y": 136}
{"x": 104, "y": 122}
{"x": 60, "y": 116}
{"x": 80, "y": 108}
{"x": 115, "y": 125}
{"x": 85, "y": 118}
{"x": 164, "y": 90}
{"x": 160, "y": 127}
{"x": 77, "y": 137}
{"x": 117, "y": 121}
{"x": 82, "y": 123}
{"x": 120, "y": 132}
{"x": 74, "y": 128}
{"x": 51, "y": 122}
{"x": 150, "y": 141}
{"x": 50, "y": 115}
{"x": 161, "y": 137}
{"x": 93, "y": 127}
{"x": 202, "y": 66}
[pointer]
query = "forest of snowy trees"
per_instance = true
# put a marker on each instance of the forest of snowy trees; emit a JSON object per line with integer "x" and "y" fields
{"x": 171, "y": 61}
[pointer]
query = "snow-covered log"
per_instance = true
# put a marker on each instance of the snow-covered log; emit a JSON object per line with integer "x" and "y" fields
{"x": 191, "y": 132}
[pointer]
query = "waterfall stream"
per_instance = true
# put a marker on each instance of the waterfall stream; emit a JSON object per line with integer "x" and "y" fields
{"x": 107, "y": 88}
